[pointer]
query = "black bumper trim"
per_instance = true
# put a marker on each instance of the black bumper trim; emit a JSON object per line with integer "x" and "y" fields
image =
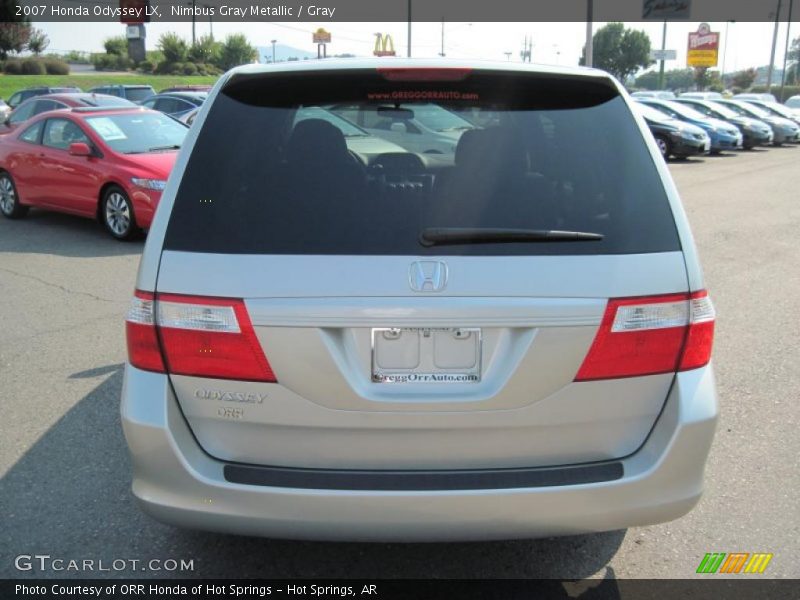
{"x": 408, "y": 481}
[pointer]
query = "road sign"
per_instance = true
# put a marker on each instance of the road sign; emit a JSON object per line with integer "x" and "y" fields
{"x": 703, "y": 50}
{"x": 663, "y": 54}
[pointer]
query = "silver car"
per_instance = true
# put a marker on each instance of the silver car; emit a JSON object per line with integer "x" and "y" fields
{"x": 510, "y": 341}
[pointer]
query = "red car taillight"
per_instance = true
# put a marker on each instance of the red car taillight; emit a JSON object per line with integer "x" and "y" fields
{"x": 650, "y": 335}
{"x": 192, "y": 335}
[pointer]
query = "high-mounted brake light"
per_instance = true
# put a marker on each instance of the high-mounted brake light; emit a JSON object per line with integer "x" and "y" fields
{"x": 651, "y": 335}
{"x": 423, "y": 74}
{"x": 198, "y": 336}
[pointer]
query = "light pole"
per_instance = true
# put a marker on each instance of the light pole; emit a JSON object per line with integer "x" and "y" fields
{"x": 725, "y": 50}
{"x": 273, "y": 50}
{"x": 408, "y": 52}
{"x": 663, "y": 51}
{"x": 774, "y": 44}
{"x": 786, "y": 50}
{"x": 589, "y": 53}
{"x": 508, "y": 55}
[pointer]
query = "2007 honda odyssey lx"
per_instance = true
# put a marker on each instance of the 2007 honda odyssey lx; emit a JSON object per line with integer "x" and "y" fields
{"x": 508, "y": 340}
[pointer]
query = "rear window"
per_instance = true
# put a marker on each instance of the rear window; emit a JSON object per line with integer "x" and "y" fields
{"x": 355, "y": 163}
{"x": 138, "y": 94}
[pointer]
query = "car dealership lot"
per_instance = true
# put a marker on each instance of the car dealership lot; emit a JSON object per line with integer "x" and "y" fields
{"x": 65, "y": 286}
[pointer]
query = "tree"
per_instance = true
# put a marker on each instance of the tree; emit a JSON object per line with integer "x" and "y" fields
{"x": 647, "y": 81}
{"x": 14, "y": 30}
{"x": 173, "y": 47}
{"x": 205, "y": 50}
{"x": 38, "y": 41}
{"x": 235, "y": 50}
{"x": 744, "y": 79}
{"x": 620, "y": 51}
{"x": 117, "y": 46}
{"x": 793, "y": 68}
{"x": 679, "y": 79}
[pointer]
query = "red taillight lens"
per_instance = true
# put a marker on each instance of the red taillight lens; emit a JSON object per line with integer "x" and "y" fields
{"x": 140, "y": 331}
{"x": 650, "y": 335}
{"x": 202, "y": 337}
{"x": 424, "y": 74}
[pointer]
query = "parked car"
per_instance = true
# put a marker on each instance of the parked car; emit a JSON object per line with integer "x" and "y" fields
{"x": 40, "y": 104}
{"x": 660, "y": 94}
{"x": 135, "y": 93}
{"x": 109, "y": 164}
{"x": 783, "y": 130}
{"x": 673, "y": 136}
{"x": 514, "y": 345}
{"x": 424, "y": 128}
{"x": 754, "y": 132}
{"x": 189, "y": 117}
{"x": 702, "y": 95}
{"x": 5, "y": 110}
{"x": 723, "y": 135}
{"x": 19, "y": 97}
{"x": 793, "y": 103}
{"x": 175, "y": 104}
{"x": 777, "y": 110}
{"x": 752, "y": 96}
{"x": 187, "y": 88}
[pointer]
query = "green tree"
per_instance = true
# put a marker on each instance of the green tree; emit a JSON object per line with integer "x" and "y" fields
{"x": 793, "y": 66}
{"x": 38, "y": 41}
{"x": 117, "y": 45}
{"x": 14, "y": 30}
{"x": 620, "y": 51}
{"x": 679, "y": 79}
{"x": 235, "y": 50}
{"x": 205, "y": 50}
{"x": 647, "y": 81}
{"x": 173, "y": 47}
{"x": 744, "y": 79}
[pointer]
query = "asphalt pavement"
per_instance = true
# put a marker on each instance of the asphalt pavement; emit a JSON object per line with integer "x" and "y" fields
{"x": 65, "y": 474}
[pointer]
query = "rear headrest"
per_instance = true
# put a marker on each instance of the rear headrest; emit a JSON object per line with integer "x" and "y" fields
{"x": 492, "y": 149}
{"x": 316, "y": 140}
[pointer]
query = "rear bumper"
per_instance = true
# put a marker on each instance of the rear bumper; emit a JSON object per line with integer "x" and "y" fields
{"x": 176, "y": 482}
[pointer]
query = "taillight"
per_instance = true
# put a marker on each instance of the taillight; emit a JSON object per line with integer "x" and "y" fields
{"x": 651, "y": 335}
{"x": 203, "y": 337}
{"x": 140, "y": 331}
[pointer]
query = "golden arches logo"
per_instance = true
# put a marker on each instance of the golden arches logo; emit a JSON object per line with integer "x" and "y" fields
{"x": 384, "y": 45}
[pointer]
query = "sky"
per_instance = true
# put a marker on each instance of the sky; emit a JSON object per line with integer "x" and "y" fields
{"x": 748, "y": 44}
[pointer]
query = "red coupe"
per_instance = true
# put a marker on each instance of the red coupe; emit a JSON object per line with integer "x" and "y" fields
{"x": 103, "y": 163}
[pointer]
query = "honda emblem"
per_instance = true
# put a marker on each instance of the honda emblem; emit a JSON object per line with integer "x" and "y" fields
{"x": 428, "y": 276}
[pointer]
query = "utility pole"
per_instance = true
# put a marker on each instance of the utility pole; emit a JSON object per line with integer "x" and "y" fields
{"x": 663, "y": 49}
{"x": 725, "y": 49}
{"x": 193, "y": 22}
{"x": 774, "y": 44}
{"x": 409, "y": 28}
{"x": 588, "y": 54}
{"x": 786, "y": 50}
{"x": 442, "y": 52}
{"x": 273, "y": 51}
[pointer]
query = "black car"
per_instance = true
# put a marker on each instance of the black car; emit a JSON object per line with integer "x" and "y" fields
{"x": 176, "y": 104}
{"x": 135, "y": 93}
{"x": 22, "y": 95}
{"x": 754, "y": 132}
{"x": 674, "y": 138}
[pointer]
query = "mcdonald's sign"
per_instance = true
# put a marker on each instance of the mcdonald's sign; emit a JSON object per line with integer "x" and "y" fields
{"x": 735, "y": 562}
{"x": 384, "y": 46}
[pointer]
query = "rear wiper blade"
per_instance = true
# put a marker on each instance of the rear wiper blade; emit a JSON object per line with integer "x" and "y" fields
{"x": 438, "y": 236}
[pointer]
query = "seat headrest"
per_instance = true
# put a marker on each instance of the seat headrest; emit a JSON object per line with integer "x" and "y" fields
{"x": 316, "y": 140}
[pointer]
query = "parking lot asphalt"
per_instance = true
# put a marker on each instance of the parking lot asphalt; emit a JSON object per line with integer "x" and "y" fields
{"x": 64, "y": 488}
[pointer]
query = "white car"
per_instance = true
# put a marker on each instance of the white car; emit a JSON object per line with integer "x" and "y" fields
{"x": 516, "y": 344}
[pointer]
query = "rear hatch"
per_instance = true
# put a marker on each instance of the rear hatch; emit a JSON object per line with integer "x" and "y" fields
{"x": 322, "y": 308}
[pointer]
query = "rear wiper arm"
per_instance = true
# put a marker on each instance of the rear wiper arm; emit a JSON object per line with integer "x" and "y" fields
{"x": 439, "y": 236}
{"x": 170, "y": 147}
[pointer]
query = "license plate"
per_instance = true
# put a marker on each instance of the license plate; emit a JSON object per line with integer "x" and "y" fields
{"x": 426, "y": 355}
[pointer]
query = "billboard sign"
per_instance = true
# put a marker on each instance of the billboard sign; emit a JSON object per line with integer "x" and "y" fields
{"x": 703, "y": 50}
{"x": 320, "y": 36}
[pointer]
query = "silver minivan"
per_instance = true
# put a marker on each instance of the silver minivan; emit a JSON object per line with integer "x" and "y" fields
{"x": 510, "y": 340}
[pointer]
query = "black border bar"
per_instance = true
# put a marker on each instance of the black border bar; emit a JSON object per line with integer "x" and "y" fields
{"x": 428, "y": 481}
